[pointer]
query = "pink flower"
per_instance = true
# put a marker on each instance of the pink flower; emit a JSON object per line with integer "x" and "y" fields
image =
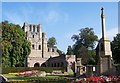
{"x": 27, "y": 72}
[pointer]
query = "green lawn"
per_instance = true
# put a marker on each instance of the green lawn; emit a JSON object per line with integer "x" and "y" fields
{"x": 14, "y": 77}
{"x": 46, "y": 79}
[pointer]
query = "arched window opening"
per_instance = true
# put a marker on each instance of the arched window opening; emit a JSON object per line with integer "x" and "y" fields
{"x": 36, "y": 65}
{"x": 43, "y": 65}
{"x": 33, "y": 36}
{"x": 39, "y": 47}
{"x": 34, "y": 28}
{"x": 30, "y": 28}
{"x": 37, "y": 28}
{"x": 48, "y": 50}
{"x": 33, "y": 47}
{"x": 52, "y": 50}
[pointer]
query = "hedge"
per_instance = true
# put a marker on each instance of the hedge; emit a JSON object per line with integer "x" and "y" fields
{"x": 21, "y": 69}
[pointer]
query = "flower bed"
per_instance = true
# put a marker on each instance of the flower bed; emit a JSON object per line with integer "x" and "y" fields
{"x": 28, "y": 73}
{"x": 98, "y": 79}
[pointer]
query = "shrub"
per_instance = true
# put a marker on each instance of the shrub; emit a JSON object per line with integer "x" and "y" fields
{"x": 22, "y": 69}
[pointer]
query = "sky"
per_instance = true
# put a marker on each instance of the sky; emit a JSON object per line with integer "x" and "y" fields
{"x": 63, "y": 19}
{"x": 119, "y": 17}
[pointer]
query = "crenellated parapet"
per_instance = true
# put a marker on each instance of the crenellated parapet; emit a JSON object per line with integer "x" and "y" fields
{"x": 32, "y": 27}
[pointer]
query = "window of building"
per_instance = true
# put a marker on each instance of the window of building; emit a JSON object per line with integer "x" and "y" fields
{"x": 58, "y": 65}
{"x": 34, "y": 28}
{"x": 33, "y": 36}
{"x": 62, "y": 64}
{"x": 36, "y": 65}
{"x": 48, "y": 49}
{"x": 30, "y": 28}
{"x": 52, "y": 65}
{"x": 33, "y": 47}
{"x": 37, "y": 28}
{"x": 39, "y": 47}
{"x": 83, "y": 68}
{"x": 52, "y": 50}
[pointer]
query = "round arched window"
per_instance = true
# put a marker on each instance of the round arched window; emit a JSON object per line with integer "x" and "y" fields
{"x": 36, "y": 65}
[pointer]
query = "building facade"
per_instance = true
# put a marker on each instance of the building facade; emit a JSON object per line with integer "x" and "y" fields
{"x": 39, "y": 50}
{"x": 41, "y": 55}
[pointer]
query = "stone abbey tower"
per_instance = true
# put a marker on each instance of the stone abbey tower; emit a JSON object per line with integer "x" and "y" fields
{"x": 39, "y": 50}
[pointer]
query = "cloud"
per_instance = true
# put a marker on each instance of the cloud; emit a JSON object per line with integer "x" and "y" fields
{"x": 110, "y": 33}
{"x": 14, "y": 18}
{"x": 20, "y": 15}
{"x": 70, "y": 34}
{"x": 53, "y": 16}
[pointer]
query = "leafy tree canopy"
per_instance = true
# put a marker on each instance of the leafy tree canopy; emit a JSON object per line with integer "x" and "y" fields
{"x": 84, "y": 41}
{"x": 15, "y": 47}
{"x": 86, "y": 37}
{"x": 51, "y": 42}
{"x": 60, "y": 52}
{"x": 92, "y": 57}
{"x": 69, "y": 50}
{"x": 116, "y": 48}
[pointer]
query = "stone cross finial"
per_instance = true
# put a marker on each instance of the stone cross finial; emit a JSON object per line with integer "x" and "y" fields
{"x": 102, "y": 14}
{"x": 102, "y": 8}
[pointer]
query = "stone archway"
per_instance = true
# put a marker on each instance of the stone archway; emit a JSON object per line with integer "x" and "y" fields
{"x": 36, "y": 65}
{"x": 43, "y": 65}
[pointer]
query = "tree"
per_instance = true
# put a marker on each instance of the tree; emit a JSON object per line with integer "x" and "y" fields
{"x": 15, "y": 47}
{"x": 92, "y": 57}
{"x": 116, "y": 48}
{"x": 0, "y": 32}
{"x": 69, "y": 50}
{"x": 51, "y": 42}
{"x": 84, "y": 41}
{"x": 60, "y": 52}
{"x": 86, "y": 37}
{"x": 82, "y": 52}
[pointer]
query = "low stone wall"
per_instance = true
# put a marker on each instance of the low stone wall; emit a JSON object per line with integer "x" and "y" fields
{"x": 114, "y": 71}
